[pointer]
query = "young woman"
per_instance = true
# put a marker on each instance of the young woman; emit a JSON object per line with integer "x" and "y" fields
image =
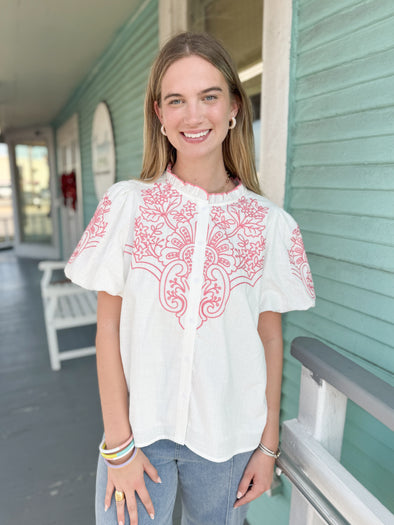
{"x": 193, "y": 268}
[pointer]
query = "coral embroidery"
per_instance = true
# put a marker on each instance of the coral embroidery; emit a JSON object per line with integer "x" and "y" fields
{"x": 299, "y": 263}
{"x": 164, "y": 245}
{"x": 96, "y": 229}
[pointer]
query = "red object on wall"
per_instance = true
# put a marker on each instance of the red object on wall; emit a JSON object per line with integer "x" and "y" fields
{"x": 69, "y": 189}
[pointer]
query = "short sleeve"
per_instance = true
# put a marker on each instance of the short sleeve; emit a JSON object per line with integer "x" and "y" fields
{"x": 287, "y": 280}
{"x": 98, "y": 261}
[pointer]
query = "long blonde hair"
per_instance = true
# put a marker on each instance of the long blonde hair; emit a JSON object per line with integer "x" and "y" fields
{"x": 238, "y": 146}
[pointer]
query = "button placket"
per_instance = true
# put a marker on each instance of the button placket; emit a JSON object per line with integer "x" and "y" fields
{"x": 196, "y": 278}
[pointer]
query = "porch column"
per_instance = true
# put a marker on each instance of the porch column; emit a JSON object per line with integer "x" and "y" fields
{"x": 277, "y": 21}
{"x": 172, "y": 18}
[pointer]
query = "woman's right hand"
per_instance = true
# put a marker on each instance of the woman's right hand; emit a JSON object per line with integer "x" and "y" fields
{"x": 130, "y": 480}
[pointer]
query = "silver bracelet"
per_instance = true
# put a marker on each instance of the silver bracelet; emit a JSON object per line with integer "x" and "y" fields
{"x": 269, "y": 452}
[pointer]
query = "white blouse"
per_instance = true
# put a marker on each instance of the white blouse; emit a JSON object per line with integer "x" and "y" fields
{"x": 194, "y": 271}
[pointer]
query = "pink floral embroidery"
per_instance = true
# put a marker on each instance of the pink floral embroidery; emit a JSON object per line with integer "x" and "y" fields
{"x": 299, "y": 262}
{"x": 164, "y": 244}
{"x": 96, "y": 229}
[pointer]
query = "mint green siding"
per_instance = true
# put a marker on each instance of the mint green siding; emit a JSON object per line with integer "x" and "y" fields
{"x": 340, "y": 188}
{"x": 119, "y": 78}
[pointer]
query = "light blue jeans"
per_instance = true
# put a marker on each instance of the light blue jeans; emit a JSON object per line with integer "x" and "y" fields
{"x": 208, "y": 490}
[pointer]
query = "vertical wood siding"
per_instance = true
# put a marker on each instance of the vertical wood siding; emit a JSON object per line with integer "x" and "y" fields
{"x": 119, "y": 78}
{"x": 340, "y": 189}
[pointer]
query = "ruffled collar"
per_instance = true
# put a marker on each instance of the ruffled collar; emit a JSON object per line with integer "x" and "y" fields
{"x": 197, "y": 193}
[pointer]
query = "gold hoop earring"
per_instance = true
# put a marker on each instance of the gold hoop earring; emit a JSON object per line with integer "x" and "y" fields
{"x": 233, "y": 123}
{"x": 163, "y": 130}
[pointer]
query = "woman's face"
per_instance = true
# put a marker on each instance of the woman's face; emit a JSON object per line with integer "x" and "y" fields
{"x": 195, "y": 108}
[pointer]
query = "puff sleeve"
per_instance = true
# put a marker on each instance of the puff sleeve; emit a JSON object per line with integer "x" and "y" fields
{"x": 287, "y": 280}
{"x": 98, "y": 261}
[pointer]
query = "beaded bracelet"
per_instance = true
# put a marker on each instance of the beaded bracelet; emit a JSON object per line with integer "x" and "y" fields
{"x": 103, "y": 447}
{"x": 121, "y": 454}
{"x": 122, "y": 464}
{"x": 269, "y": 452}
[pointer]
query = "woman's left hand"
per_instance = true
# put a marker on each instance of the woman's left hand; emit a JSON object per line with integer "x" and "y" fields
{"x": 257, "y": 478}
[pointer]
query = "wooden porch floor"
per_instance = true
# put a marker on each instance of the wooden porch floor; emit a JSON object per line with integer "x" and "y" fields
{"x": 50, "y": 422}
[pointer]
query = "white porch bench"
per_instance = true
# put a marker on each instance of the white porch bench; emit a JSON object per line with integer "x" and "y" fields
{"x": 65, "y": 305}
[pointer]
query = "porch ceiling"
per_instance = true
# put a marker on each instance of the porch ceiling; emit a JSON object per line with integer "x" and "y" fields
{"x": 46, "y": 49}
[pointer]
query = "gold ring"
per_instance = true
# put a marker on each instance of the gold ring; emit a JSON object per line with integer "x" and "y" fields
{"x": 119, "y": 496}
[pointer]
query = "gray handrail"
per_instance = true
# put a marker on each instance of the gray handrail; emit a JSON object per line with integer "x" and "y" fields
{"x": 319, "y": 502}
{"x": 361, "y": 386}
{"x": 311, "y": 444}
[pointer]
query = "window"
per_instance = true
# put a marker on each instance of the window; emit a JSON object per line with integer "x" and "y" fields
{"x": 239, "y": 26}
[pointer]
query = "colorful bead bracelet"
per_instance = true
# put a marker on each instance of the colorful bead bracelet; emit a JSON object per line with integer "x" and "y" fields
{"x": 122, "y": 464}
{"x": 103, "y": 446}
{"x": 121, "y": 453}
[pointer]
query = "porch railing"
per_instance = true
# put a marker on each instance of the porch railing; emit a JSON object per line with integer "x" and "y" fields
{"x": 311, "y": 444}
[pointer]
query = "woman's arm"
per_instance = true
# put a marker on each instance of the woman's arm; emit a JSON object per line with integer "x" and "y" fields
{"x": 260, "y": 468}
{"x": 111, "y": 379}
{"x": 115, "y": 409}
{"x": 270, "y": 332}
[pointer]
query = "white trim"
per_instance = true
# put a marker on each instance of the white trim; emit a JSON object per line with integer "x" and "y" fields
{"x": 251, "y": 72}
{"x": 275, "y": 98}
{"x": 71, "y": 222}
{"x": 103, "y": 149}
{"x": 172, "y": 18}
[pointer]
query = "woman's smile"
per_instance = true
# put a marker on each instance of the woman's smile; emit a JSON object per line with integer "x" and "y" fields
{"x": 195, "y": 136}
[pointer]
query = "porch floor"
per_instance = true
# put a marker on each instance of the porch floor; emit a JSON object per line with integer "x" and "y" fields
{"x": 50, "y": 421}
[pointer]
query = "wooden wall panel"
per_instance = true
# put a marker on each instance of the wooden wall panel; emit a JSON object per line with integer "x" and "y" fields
{"x": 340, "y": 188}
